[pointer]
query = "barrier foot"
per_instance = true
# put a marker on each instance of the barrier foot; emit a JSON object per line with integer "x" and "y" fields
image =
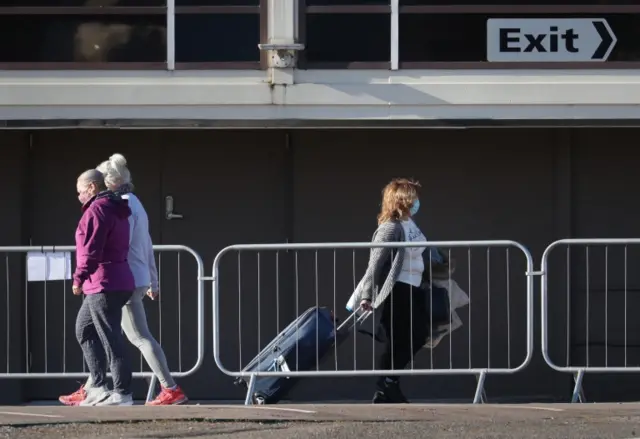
{"x": 480, "y": 396}
{"x": 250, "y": 389}
{"x": 578, "y": 394}
{"x": 151, "y": 393}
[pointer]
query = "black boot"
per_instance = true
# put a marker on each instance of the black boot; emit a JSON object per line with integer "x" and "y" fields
{"x": 389, "y": 392}
{"x": 379, "y": 398}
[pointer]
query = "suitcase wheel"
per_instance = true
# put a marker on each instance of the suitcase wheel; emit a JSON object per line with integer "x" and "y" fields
{"x": 259, "y": 400}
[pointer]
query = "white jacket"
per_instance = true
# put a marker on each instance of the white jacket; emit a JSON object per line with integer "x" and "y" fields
{"x": 141, "y": 259}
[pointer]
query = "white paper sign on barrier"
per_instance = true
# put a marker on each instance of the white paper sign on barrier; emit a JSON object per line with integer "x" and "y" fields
{"x": 48, "y": 266}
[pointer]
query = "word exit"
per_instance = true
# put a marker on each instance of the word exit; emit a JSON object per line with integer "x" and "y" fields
{"x": 549, "y": 40}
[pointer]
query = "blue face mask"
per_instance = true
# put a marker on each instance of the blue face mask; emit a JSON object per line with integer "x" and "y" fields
{"x": 415, "y": 207}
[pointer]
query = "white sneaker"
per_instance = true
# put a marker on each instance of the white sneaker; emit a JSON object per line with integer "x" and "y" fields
{"x": 116, "y": 399}
{"x": 95, "y": 395}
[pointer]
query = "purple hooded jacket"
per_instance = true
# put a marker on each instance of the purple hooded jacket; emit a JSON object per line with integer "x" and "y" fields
{"x": 102, "y": 245}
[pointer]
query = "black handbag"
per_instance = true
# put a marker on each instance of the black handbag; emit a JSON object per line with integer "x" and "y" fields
{"x": 438, "y": 300}
{"x": 439, "y": 305}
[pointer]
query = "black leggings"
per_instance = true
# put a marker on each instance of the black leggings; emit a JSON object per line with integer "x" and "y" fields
{"x": 405, "y": 307}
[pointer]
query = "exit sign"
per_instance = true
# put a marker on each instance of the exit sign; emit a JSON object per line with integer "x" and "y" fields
{"x": 549, "y": 40}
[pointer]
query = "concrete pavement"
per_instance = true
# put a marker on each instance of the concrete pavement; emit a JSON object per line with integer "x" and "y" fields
{"x": 330, "y": 421}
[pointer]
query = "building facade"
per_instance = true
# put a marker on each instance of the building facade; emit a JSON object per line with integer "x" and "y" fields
{"x": 290, "y": 141}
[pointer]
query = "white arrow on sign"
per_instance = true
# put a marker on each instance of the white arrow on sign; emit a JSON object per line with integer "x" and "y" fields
{"x": 549, "y": 39}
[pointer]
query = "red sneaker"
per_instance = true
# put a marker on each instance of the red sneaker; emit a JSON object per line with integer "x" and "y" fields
{"x": 75, "y": 398}
{"x": 169, "y": 397}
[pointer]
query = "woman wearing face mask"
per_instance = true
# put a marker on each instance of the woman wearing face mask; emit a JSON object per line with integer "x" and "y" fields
{"x": 117, "y": 178}
{"x": 103, "y": 275}
{"x": 393, "y": 282}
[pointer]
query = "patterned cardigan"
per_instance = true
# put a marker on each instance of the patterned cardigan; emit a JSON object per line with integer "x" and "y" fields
{"x": 385, "y": 265}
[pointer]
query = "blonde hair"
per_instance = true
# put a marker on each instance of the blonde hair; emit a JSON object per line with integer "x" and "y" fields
{"x": 397, "y": 198}
{"x": 116, "y": 173}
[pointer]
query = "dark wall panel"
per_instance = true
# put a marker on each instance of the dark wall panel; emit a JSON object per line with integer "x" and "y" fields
{"x": 477, "y": 185}
{"x": 13, "y": 197}
{"x": 605, "y": 203}
{"x": 228, "y": 185}
{"x": 58, "y": 157}
{"x": 532, "y": 186}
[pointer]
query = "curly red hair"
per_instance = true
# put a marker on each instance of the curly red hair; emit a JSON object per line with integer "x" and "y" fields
{"x": 397, "y": 198}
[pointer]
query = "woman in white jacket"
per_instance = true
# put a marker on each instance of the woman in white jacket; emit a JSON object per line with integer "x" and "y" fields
{"x": 143, "y": 265}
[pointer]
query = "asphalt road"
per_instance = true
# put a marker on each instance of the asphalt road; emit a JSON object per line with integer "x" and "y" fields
{"x": 601, "y": 421}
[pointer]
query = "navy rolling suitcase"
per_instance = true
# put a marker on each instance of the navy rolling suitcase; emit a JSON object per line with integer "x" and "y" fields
{"x": 300, "y": 346}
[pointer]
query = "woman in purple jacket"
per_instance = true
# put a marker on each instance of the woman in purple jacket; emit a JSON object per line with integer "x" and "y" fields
{"x": 103, "y": 275}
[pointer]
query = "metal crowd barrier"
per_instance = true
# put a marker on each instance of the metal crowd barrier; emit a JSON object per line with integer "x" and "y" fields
{"x": 47, "y": 327}
{"x": 597, "y": 287}
{"x": 271, "y": 284}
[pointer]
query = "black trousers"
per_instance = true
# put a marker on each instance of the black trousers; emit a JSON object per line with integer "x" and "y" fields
{"x": 405, "y": 321}
{"x": 100, "y": 337}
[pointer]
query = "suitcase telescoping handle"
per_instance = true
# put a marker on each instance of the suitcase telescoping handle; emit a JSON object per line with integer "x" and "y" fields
{"x": 356, "y": 319}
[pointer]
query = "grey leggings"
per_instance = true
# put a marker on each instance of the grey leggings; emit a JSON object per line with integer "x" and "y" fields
{"x": 134, "y": 324}
{"x": 98, "y": 332}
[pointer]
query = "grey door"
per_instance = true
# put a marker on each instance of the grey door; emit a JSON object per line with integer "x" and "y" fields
{"x": 229, "y": 187}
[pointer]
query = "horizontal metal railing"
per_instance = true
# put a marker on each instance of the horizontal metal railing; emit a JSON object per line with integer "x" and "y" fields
{"x": 597, "y": 279}
{"x": 39, "y": 296}
{"x": 325, "y": 284}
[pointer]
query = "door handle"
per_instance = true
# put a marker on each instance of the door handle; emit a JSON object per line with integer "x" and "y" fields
{"x": 168, "y": 208}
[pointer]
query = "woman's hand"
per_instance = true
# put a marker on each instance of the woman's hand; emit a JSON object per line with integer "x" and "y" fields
{"x": 366, "y": 305}
{"x": 77, "y": 290}
{"x": 152, "y": 294}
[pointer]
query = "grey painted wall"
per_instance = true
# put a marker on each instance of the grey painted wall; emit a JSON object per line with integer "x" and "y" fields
{"x": 532, "y": 186}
